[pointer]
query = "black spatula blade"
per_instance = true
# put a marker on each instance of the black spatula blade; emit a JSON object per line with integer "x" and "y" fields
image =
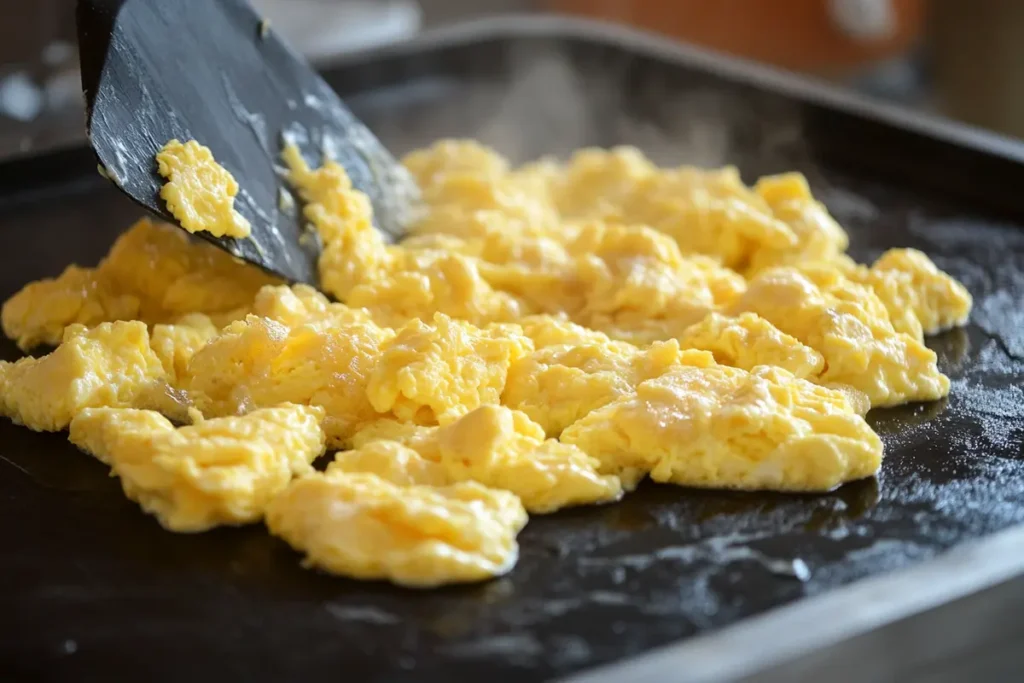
{"x": 212, "y": 71}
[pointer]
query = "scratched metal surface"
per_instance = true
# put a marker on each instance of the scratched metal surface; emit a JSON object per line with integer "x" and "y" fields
{"x": 86, "y": 579}
{"x": 133, "y": 55}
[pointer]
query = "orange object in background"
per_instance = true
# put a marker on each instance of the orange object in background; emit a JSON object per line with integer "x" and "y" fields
{"x": 828, "y": 37}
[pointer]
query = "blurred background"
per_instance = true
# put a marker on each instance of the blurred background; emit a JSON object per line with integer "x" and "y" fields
{"x": 957, "y": 58}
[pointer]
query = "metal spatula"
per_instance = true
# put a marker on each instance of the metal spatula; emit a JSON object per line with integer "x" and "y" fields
{"x": 214, "y": 71}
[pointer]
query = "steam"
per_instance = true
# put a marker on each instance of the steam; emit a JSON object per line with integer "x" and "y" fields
{"x": 553, "y": 102}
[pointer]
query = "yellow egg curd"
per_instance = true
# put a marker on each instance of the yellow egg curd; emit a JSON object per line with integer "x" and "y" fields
{"x": 199, "y": 192}
{"x": 546, "y": 336}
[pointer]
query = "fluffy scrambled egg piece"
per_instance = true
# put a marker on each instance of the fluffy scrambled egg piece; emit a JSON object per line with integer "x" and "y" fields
{"x": 748, "y": 340}
{"x": 557, "y": 385}
{"x": 919, "y": 298}
{"x": 111, "y": 365}
{"x": 154, "y": 273}
{"x": 848, "y": 325}
{"x": 545, "y": 336}
{"x": 211, "y": 473}
{"x": 257, "y": 362}
{"x": 492, "y": 445}
{"x": 366, "y": 527}
{"x": 176, "y": 344}
{"x": 725, "y": 427}
{"x": 430, "y": 373}
{"x": 199, "y": 192}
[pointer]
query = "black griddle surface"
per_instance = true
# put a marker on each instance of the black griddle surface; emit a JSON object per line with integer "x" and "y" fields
{"x": 92, "y": 589}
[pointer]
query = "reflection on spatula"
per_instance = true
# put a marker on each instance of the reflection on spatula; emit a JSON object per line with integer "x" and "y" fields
{"x": 213, "y": 71}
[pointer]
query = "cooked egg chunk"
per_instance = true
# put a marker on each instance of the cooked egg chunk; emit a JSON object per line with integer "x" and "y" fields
{"x": 848, "y": 325}
{"x": 111, "y": 365}
{"x": 818, "y": 236}
{"x": 634, "y": 273}
{"x": 199, "y": 192}
{"x": 434, "y": 373}
{"x": 257, "y": 363}
{"x": 723, "y": 427}
{"x": 747, "y": 341}
{"x": 395, "y": 285}
{"x": 557, "y": 385}
{"x": 493, "y": 446}
{"x": 362, "y": 526}
{"x": 174, "y": 274}
{"x": 175, "y": 344}
{"x": 705, "y": 212}
{"x": 919, "y": 298}
{"x": 299, "y": 304}
{"x": 39, "y": 313}
{"x": 153, "y": 273}
{"x": 215, "y": 472}
{"x": 549, "y": 330}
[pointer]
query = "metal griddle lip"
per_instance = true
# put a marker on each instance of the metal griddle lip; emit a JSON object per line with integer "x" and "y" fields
{"x": 784, "y": 634}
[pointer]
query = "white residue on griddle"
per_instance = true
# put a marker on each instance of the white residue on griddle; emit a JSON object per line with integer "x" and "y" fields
{"x": 285, "y": 201}
{"x": 881, "y": 555}
{"x": 800, "y": 570}
{"x": 270, "y": 222}
{"x": 362, "y": 614}
{"x": 554, "y": 607}
{"x": 998, "y": 411}
{"x": 719, "y": 550}
{"x": 256, "y": 123}
{"x": 517, "y": 645}
{"x": 1001, "y": 316}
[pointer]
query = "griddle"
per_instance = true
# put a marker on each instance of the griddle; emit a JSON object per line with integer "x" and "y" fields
{"x": 93, "y": 589}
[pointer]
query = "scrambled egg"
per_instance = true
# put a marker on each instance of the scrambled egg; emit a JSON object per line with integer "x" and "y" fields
{"x": 546, "y": 336}
{"x": 153, "y": 273}
{"x": 215, "y": 472}
{"x": 719, "y": 426}
{"x": 111, "y": 365}
{"x": 492, "y": 445}
{"x": 362, "y": 526}
{"x": 433, "y": 373}
{"x": 849, "y": 326}
{"x": 558, "y": 385}
{"x": 199, "y": 192}
{"x": 259, "y": 362}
